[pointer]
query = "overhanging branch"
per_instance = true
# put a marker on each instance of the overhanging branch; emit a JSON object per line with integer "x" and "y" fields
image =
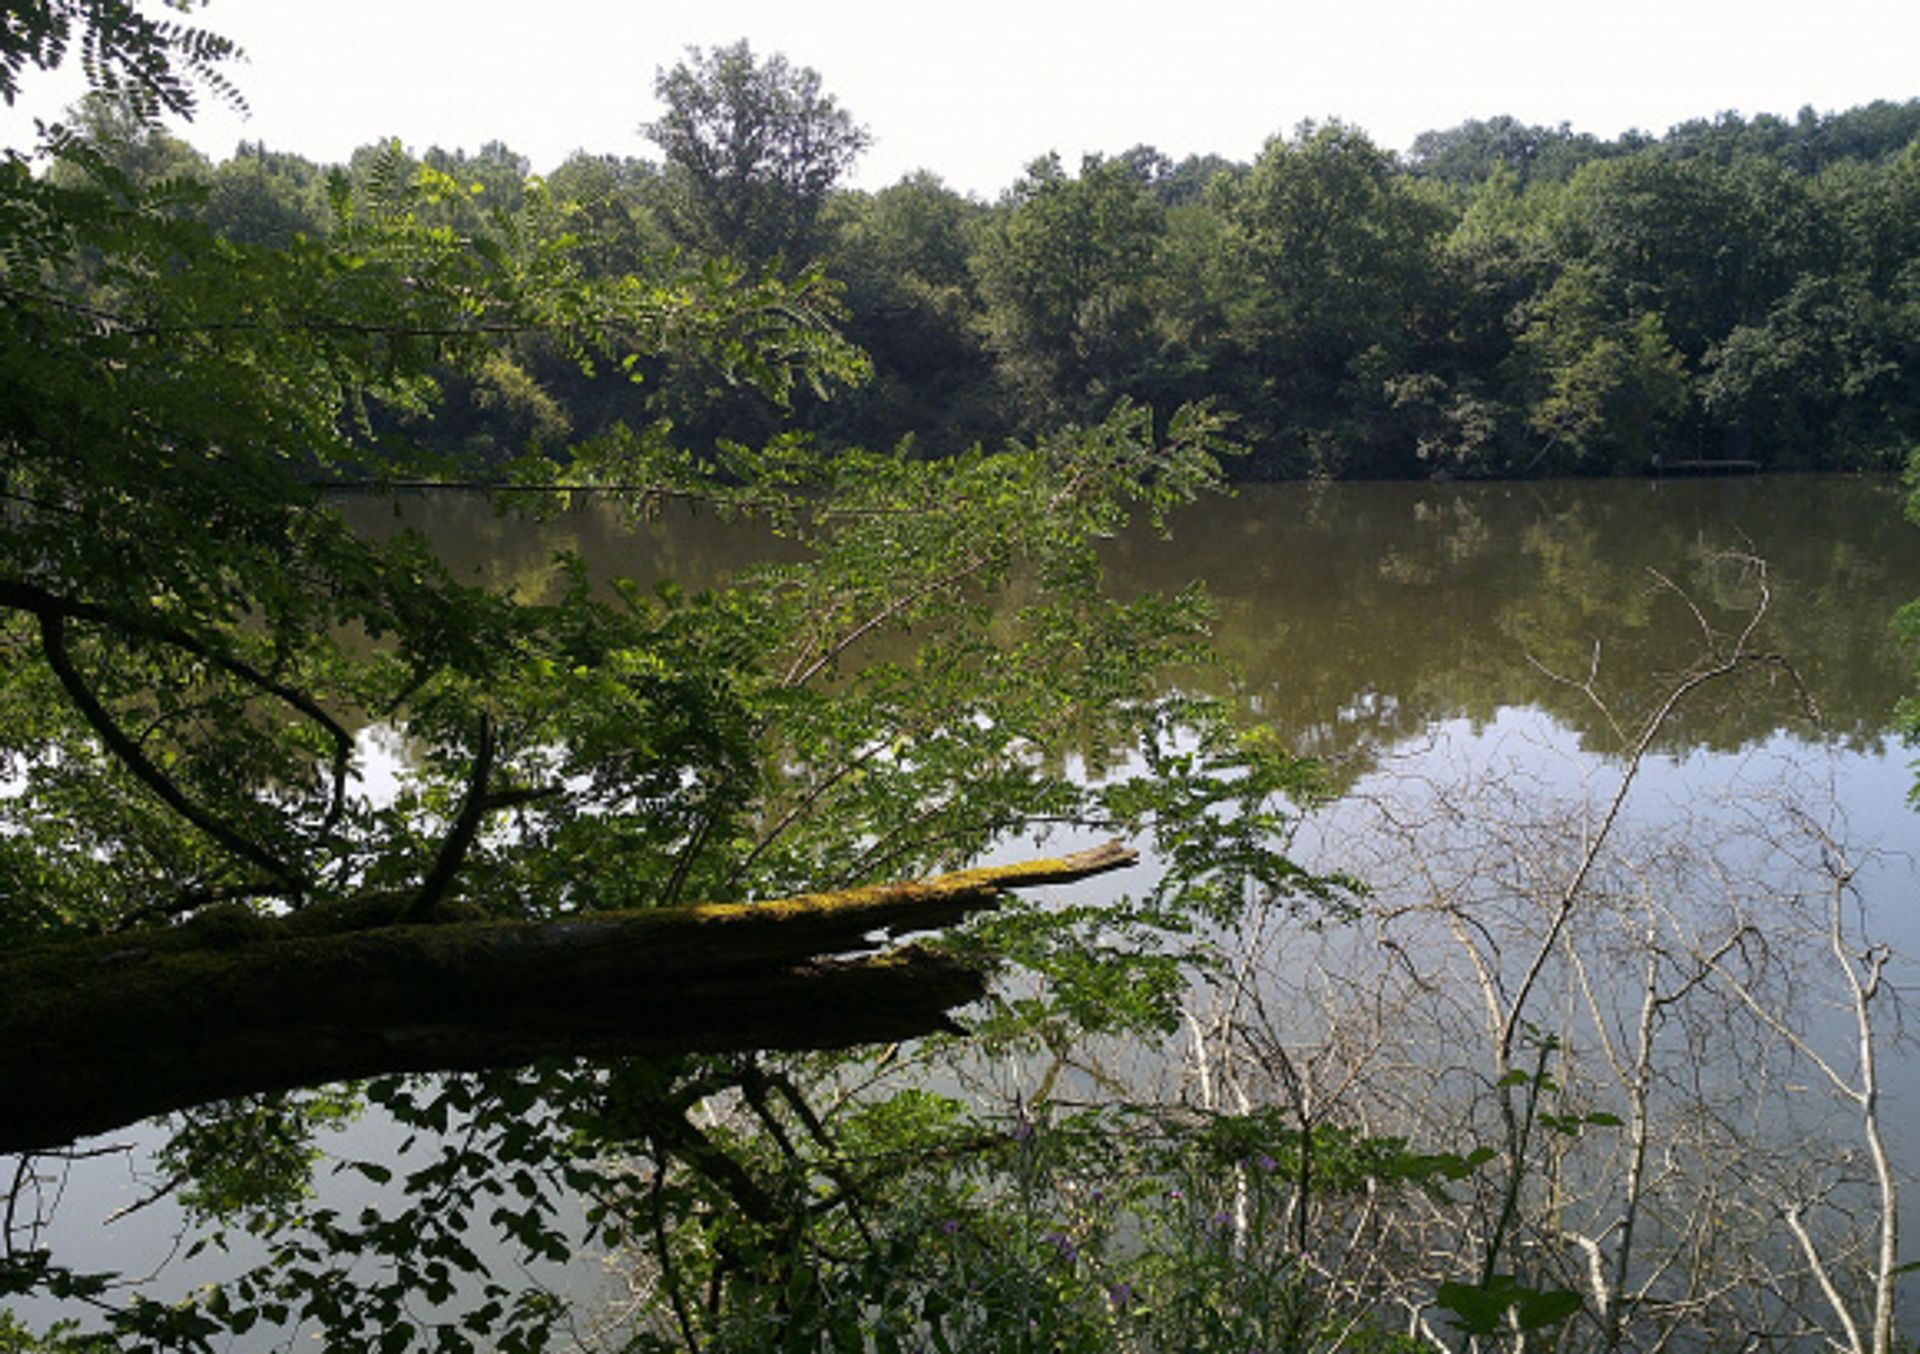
{"x": 97, "y": 1033}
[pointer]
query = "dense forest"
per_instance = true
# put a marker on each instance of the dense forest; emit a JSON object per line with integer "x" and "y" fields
{"x": 1502, "y": 300}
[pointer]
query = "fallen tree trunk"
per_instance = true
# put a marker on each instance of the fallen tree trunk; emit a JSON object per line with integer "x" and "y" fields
{"x": 99, "y": 1033}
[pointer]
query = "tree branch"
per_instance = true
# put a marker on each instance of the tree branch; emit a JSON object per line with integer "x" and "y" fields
{"x": 459, "y": 839}
{"x": 53, "y": 643}
{"x": 20, "y": 596}
{"x": 98, "y": 1032}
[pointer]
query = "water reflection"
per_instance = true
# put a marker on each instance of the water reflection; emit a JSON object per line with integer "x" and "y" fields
{"x": 1360, "y": 614}
{"x": 1356, "y": 615}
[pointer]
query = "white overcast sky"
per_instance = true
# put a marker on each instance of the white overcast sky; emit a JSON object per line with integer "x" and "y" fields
{"x": 974, "y": 90}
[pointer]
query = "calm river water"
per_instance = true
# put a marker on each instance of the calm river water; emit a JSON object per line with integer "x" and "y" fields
{"x": 1360, "y": 615}
{"x": 1473, "y": 651}
{"x": 1471, "y": 662}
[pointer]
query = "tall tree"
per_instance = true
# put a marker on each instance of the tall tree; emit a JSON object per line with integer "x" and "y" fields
{"x": 1477, "y": 149}
{"x": 1328, "y": 278}
{"x": 1064, "y": 271}
{"x": 752, "y": 149}
{"x": 1607, "y": 391}
{"x": 261, "y": 197}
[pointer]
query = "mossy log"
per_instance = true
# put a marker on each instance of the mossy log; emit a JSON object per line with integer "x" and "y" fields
{"x": 98, "y": 1033}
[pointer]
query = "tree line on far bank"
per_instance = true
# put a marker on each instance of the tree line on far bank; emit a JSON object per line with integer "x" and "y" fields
{"x": 1503, "y": 300}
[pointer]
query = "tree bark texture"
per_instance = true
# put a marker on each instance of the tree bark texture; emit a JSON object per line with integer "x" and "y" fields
{"x": 98, "y": 1033}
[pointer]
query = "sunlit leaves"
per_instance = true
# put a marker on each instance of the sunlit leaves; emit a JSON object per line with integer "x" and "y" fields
{"x": 172, "y": 399}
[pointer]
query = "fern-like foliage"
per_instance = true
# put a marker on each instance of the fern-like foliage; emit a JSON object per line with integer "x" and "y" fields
{"x": 156, "y": 65}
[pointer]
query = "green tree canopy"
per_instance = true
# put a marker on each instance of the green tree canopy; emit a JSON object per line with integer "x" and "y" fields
{"x": 752, "y": 149}
{"x": 1064, "y": 274}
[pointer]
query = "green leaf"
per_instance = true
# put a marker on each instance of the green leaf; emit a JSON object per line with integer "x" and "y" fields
{"x": 1538, "y": 1310}
{"x": 1477, "y": 1309}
